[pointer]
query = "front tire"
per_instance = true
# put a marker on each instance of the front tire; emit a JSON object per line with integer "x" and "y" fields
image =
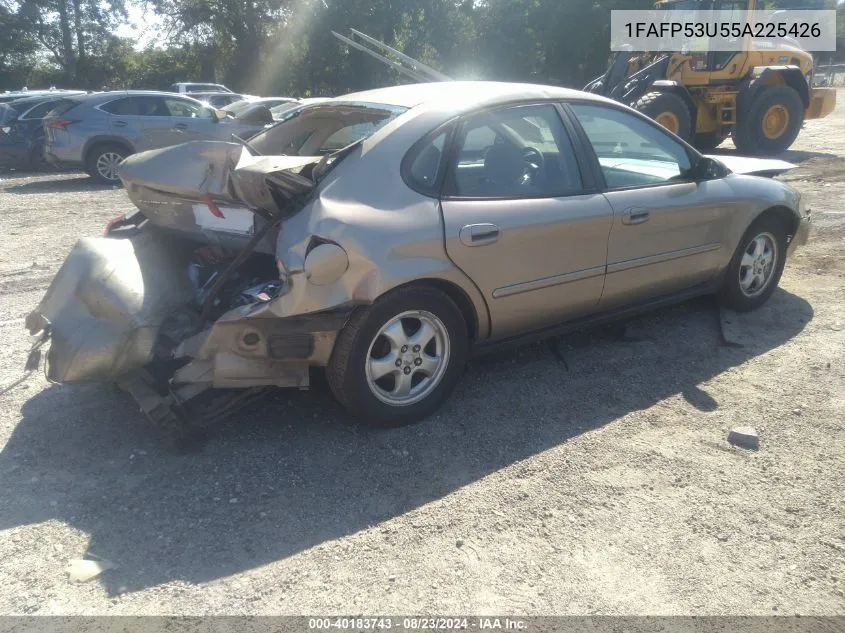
{"x": 103, "y": 161}
{"x": 757, "y": 265}
{"x": 669, "y": 110}
{"x": 397, "y": 361}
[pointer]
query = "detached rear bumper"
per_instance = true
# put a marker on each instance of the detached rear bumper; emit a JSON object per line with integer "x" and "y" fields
{"x": 103, "y": 311}
{"x": 115, "y": 301}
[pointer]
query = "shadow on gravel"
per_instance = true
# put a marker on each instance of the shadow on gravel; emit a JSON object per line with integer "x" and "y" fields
{"x": 294, "y": 472}
{"x": 59, "y": 185}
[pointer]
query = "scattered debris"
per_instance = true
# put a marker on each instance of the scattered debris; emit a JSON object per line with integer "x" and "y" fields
{"x": 81, "y": 570}
{"x": 744, "y": 437}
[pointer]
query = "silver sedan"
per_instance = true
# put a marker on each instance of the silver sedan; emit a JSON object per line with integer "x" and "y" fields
{"x": 388, "y": 235}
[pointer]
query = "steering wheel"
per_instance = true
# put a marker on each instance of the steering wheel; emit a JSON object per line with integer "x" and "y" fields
{"x": 535, "y": 163}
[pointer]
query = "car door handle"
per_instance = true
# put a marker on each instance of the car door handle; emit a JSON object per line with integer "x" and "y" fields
{"x": 635, "y": 215}
{"x": 479, "y": 234}
{"x": 119, "y": 123}
{"x": 181, "y": 127}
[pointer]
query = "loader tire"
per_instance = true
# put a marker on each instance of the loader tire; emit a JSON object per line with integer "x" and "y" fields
{"x": 772, "y": 122}
{"x": 669, "y": 110}
{"x": 708, "y": 141}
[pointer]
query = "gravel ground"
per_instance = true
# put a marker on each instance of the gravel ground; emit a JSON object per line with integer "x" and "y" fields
{"x": 603, "y": 485}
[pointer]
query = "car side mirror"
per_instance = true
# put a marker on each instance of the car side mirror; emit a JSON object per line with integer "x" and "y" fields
{"x": 706, "y": 169}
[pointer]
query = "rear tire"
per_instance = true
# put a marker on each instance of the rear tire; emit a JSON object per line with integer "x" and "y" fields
{"x": 669, "y": 110}
{"x": 764, "y": 239}
{"x": 103, "y": 161}
{"x": 772, "y": 122}
{"x": 378, "y": 352}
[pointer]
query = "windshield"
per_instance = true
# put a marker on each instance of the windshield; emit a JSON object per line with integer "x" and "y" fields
{"x": 321, "y": 129}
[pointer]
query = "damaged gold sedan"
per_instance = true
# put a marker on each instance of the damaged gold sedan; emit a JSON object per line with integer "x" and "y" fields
{"x": 385, "y": 236}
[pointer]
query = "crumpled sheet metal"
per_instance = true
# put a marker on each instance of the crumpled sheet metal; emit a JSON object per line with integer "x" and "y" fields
{"x": 107, "y": 303}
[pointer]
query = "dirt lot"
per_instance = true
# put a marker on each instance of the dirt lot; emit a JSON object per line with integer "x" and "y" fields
{"x": 607, "y": 487}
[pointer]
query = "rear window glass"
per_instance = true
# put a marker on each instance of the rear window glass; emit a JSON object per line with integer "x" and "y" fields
{"x": 41, "y": 110}
{"x": 62, "y": 106}
{"x": 324, "y": 128}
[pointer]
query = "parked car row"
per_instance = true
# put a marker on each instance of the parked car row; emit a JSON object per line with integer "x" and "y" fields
{"x": 96, "y": 131}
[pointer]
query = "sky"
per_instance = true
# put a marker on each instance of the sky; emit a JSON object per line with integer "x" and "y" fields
{"x": 143, "y": 25}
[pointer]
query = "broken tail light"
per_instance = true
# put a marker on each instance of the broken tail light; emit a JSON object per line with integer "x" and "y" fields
{"x": 59, "y": 124}
{"x": 114, "y": 223}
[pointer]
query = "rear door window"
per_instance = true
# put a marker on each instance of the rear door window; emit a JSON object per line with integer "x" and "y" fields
{"x": 516, "y": 152}
{"x": 152, "y": 106}
{"x": 127, "y": 106}
{"x": 182, "y": 108}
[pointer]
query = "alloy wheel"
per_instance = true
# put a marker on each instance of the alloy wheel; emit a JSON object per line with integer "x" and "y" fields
{"x": 407, "y": 358}
{"x": 758, "y": 265}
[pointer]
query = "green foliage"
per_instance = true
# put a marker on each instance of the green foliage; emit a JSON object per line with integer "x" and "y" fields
{"x": 285, "y": 47}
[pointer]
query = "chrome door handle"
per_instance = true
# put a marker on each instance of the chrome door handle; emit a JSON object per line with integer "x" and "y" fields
{"x": 479, "y": 234}
{"x": 181, "y": 127}
{"x": 119, "y": 123}
{"x": 635, "y": 215}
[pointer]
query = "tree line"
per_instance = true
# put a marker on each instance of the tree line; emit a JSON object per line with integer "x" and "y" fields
{"x": 285, "y": 47}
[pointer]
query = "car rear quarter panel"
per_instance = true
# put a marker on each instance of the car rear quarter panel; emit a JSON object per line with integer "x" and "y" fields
{"x": 393, "y": 235}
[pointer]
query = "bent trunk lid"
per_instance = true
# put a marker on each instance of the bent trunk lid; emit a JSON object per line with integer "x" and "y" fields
{"x": 211, "y": 190}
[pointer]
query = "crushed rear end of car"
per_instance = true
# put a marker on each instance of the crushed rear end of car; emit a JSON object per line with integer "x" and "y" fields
{"x": 182, "y": 297}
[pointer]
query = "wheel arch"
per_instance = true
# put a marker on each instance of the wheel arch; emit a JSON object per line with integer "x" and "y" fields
{"x": 97, "y": 141}
{"x": 766, "y": 76}
{"x": 783, "y": 214}
{"x": 456, "y": 294}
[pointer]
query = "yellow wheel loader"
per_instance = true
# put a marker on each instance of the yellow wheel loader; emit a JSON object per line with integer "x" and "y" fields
{"x": 759, "y": 96}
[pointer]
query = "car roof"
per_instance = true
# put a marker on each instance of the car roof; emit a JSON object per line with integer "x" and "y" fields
{"x": 459, "y": 96}
{"x": 40, "y": 98}
{"x": 206, "y": 93}
{"x": 116, "y": 94}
